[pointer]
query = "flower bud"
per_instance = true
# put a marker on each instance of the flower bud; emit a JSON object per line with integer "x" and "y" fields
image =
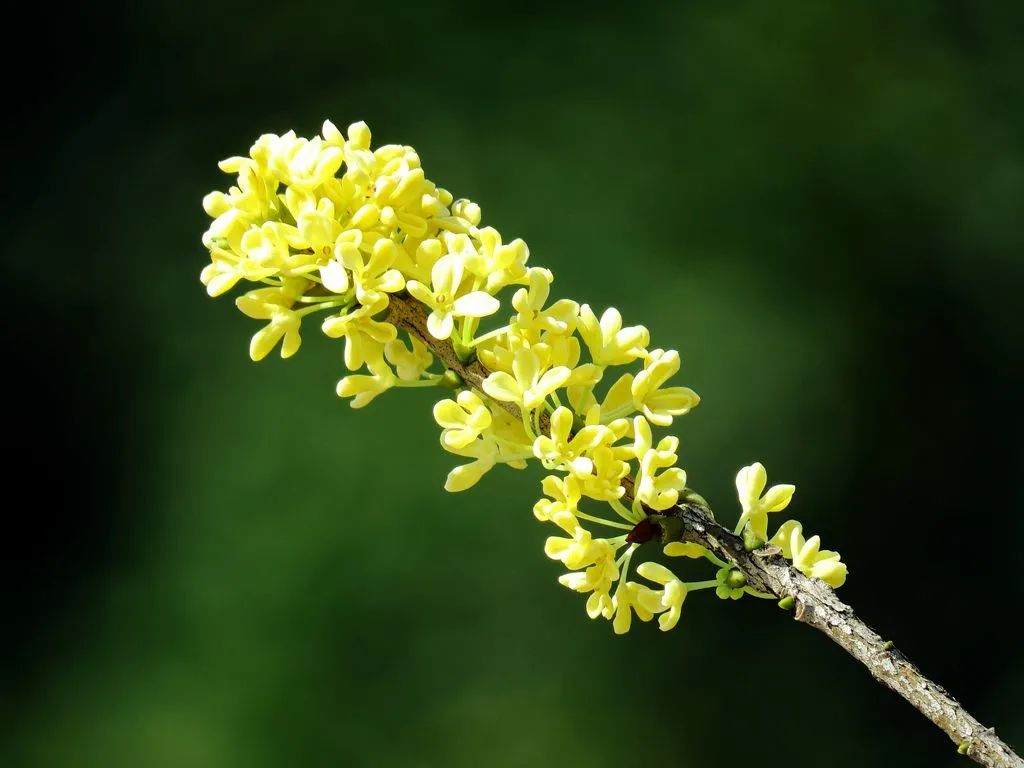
{"x": 736, "y": 579}
{"x": 451, "y": 380}
{"x": 751, "y": 540}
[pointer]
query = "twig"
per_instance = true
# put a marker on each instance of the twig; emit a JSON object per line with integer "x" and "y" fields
{"x": 814, "y": 602}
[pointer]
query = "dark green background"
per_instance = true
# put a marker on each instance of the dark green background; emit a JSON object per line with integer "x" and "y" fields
{"x": 219, "y": 564}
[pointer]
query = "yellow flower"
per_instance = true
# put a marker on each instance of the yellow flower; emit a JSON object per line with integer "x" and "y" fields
{"x": 485, "y": 453}
{"x": 363, "y": 389}
{"x": 564, "y": 496}
{"x": 559, "y": 318}
{"x": 315, "y": 220}
{"x": 399, "y": 189}
{"x": 671, "y": 596}
{"x": 608, "y": 341}
{"x": 529, "y": 384}
{"x": 660, "y": 405}
{"x": 498, "y": 353}
{"x": 597, "y": 580}
{"x": 417, "y": 264}
{"x": 445, "y": 278}
{"x": 366, "y": 217}
{"x": 632, "y": 597}
{"x": 496, "y": 264}
{"x": 358, "y": 157}
{"x": 364, "y": 337}
{"x": 373, "y": 279}
{"x": 605, "y": 481}
{"x": 399, "y": 178}
{"x": 411, "y": 362}
{"x": 807, "y": 555}
{"x": 463, "y": 419}
{"x": 303, "y": 163}
{"x": 403, "y": 219}
{"x": 559, "y": 350}
{"x": 576, "y": 552}
{"x": 333, "y": 274}
{"x": 659, "y": 491}
{"x": 274, "y": 304}
{"x": 268, "y": 247}
{"x": 561, "y": 450}
{"x": 750, "y": 482}
{"x": 467, "y": 210}
{"x": 252, "y": 201}
{"x": 223, "y": 273}
{"x": 684, "y": 549}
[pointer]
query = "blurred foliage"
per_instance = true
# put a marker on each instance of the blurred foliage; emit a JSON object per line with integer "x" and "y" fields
{"x": 828, "y": 197}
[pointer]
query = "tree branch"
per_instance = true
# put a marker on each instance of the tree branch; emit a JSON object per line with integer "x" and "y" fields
{"x": 815, "y": 603}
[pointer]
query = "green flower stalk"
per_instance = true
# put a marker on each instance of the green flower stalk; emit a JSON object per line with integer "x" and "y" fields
{"x": 425, "y": 296}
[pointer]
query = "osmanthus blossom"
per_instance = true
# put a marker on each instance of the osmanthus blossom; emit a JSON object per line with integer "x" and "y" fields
{"x": 531, "y": 314}
{"x": 365, "y": 336}
{"x": 671, "y": 595}
{"x": 569, "y": 450}
{"x": 807, "y": 555}
{"x": 462, "y": 419}
{"x": 596, "y": 581}
{"x": 329, "y": 225}
{"x": 444, "y": 298}
{"x": 561, "y": 497}
{"x": 659, "y": 481}
{"x": 410, "y": 363}
{"x": 530, "y": 382}
{"x": 373, "y": 278}
{"x": 484, "y": 451}
{"x": 364, "y": 388}
{"x": 609, "y": 343}
{"x": 275, "y": 305}
{"x": 659, "y": 405}
{"x": 756, "y": 502}
{"x": 631, "y": 598}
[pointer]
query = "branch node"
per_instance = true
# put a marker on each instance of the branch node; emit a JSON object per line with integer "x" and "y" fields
{"x": 466, "y": 354}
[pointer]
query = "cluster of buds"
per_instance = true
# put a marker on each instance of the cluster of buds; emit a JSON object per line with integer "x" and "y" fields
{"x": 329, "y": 226}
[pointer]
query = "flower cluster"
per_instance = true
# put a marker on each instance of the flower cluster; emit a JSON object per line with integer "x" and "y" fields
{"x": 328, "y": 225}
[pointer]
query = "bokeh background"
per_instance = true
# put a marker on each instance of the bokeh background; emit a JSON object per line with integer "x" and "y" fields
{"x": 216, "y": 563}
